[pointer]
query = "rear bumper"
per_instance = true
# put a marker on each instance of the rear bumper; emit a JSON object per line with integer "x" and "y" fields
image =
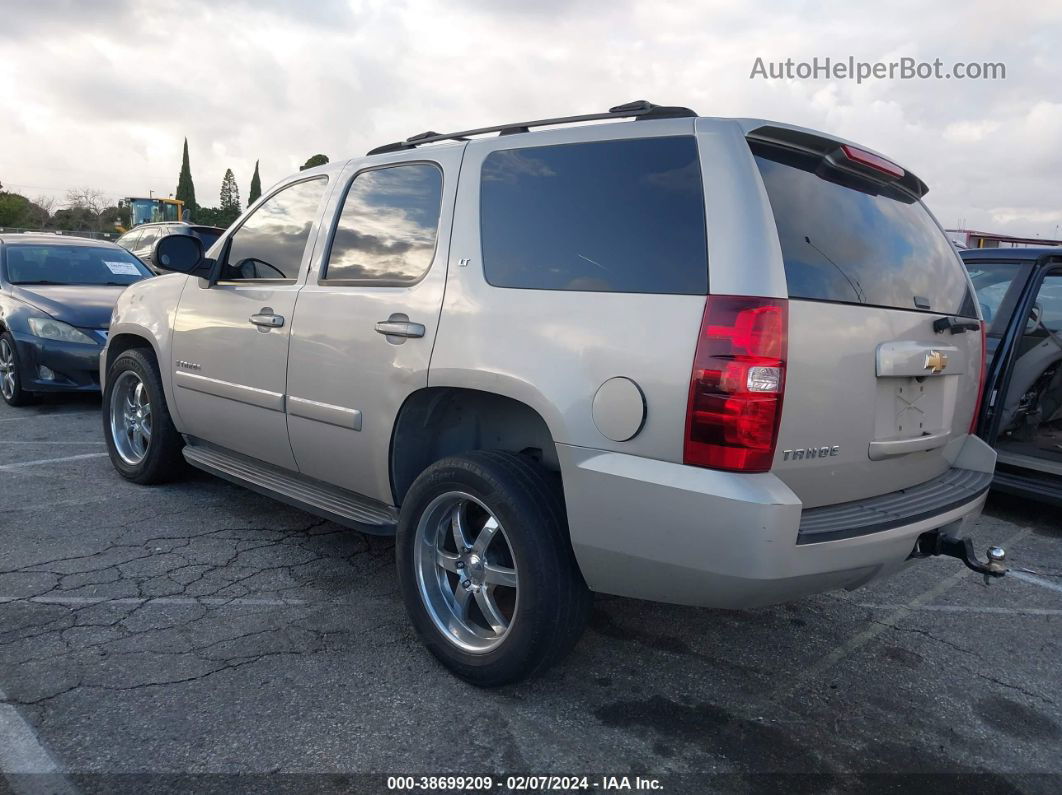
{"x": 75, "y": 366}
{"x": 667, "y": 532}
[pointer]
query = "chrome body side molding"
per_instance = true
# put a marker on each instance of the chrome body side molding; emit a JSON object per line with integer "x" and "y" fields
{"x": 324, "y": 412}
{"x": 253, "y": 396}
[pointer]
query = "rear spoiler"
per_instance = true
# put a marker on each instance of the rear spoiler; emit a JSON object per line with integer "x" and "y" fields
{"x": 841, "y": 155}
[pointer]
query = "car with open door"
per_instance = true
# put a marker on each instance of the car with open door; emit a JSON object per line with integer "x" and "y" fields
{"x": 1020, "y": 295}
{"x": 716, "y": 362}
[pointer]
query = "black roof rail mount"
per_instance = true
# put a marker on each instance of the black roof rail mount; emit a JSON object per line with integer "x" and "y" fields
{"x": 638, "y": 110}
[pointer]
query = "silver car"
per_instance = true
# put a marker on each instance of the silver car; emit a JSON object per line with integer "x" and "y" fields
{"x": 717, "y": 362}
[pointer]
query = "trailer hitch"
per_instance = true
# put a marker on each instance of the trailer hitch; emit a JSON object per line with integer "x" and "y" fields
{"x": 935, "y": 543}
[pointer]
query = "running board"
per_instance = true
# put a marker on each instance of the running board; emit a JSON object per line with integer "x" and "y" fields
{"x": 329, "y": 502}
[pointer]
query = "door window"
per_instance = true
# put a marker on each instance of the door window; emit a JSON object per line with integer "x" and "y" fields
{"x": 386, "y": 232}
{"x": 150, "y": 235}
{"x": 128, "y": 240}
{"x": 270, "y": 242}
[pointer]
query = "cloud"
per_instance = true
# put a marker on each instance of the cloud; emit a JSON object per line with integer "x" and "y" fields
{"x": 104, "y": 93}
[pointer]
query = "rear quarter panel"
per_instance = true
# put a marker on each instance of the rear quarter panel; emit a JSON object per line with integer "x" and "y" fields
{"x": 553, "y": 349}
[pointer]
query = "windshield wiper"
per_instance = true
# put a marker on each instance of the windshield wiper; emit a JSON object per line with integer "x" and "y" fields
{"x": 41, "y": 281}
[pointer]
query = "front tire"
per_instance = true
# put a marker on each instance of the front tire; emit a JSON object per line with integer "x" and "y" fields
{"x": 486, "y": 568}
{"x": 142, "y": 441}
{"x": 10, "y": 374}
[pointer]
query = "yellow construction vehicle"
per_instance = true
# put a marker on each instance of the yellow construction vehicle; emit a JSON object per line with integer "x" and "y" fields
{"x": 151, "y": 210}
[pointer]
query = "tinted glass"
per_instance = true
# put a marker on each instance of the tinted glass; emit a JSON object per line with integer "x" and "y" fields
{"x": 991, "y": 281}
{"x": 208, "y": 236}
{"x": 618, "y": 216}
{"x": 72, "y": 265}
{"x": 271, "y": 241}
{"x": 850, "y": 240}
{"x": 387, "y": 229}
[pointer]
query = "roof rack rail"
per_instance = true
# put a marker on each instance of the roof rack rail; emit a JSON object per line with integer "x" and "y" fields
{"x": 638, "y": 110}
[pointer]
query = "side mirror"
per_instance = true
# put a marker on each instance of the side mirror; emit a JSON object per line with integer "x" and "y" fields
{"x": 180, "y": 253}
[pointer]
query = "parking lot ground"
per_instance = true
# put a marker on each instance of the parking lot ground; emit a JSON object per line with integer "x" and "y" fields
{"x": 198, "y": 629}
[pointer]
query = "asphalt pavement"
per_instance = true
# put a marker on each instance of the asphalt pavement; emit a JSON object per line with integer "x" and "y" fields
{"x": 197, "y": 636}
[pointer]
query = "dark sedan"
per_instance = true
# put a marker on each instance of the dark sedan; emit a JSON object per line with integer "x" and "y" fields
{"x": 56, "y": 298}
{"x": 1020, "y": 292}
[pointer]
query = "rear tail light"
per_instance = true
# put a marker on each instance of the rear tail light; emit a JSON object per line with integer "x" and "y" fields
{"x": 981, "y": 379}
{"x": 736, "y": 388}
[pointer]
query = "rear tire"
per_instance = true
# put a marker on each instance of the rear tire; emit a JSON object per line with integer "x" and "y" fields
{"x": 512, "y": 602}
{"x": 142, "y": 441}
{"x": 10, "y": 374}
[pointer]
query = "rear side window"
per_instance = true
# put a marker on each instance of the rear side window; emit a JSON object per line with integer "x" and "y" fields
{"x": 610, "y": 216}
{"x": 854, "y": 241}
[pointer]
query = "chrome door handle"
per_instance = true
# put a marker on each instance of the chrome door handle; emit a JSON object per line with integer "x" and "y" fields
{"x": 269, "y": 320}
{"x": 400, "y": 328}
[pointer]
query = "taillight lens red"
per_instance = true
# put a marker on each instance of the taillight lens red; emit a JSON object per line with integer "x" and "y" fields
{"x": 872, "y": 160}
{"x": 735, "y": 400}
{"x": 981, "y": 379}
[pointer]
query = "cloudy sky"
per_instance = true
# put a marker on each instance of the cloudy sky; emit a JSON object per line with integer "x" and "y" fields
{"x": 102, "y": 94}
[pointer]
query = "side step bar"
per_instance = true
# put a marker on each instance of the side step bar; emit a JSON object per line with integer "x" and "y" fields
{"x": 329, "y": 502}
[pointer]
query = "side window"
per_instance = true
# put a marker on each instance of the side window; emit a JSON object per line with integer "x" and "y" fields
{"x": 150, "y": 235}
{"x": 128, "y": 240}
{"x": 609, "y": 216}
{"x": 270, "y": 243}
{"x": 387, "y": 229}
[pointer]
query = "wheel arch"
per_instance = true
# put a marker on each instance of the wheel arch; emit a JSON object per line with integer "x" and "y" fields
{"x": 436, "y": 422}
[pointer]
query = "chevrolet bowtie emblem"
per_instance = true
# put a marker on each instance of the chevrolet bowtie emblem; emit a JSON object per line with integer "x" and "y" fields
{"x": 936, "y": 361}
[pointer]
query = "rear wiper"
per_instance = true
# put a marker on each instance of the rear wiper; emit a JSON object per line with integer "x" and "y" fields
{"x": 955, "y": 326}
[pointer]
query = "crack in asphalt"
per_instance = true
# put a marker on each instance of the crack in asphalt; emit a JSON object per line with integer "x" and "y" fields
{"x": 223, "y": 566}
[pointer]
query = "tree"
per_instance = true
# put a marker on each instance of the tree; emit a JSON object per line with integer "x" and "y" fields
{"x": 15, "y": 210}
{"x": 42, "y": 210}
{"x": 316, "y": 160}
{"x": 185, "y": 188}
{"x": 230, "y": 197}
{"x": 256, "y": 186}
{"x": 90, "y": 202}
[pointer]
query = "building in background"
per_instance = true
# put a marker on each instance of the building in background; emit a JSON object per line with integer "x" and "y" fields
{"x": 969, "y": 238}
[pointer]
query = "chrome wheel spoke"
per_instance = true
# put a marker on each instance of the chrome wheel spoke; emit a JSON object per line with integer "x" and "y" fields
{"x": 462, "y": 600}
{"x": 459, "y": 526}
{"x": 499, "y": 575}
{"x": 486, "y": 535}
{"x": 485, "y": 599}
{"x": 446, "y": 560}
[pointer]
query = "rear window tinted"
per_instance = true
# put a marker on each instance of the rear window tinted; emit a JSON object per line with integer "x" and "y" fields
{"x": 610, "y": 216}
{"x": 850, "y": 240}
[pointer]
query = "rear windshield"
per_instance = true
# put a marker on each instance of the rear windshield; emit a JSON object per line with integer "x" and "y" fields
{"x": 621, "y": 216}
{"x": 854, "y": 241}
{"x": 43, "y": 264}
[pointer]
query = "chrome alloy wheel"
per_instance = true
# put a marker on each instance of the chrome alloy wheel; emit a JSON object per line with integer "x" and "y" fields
{"x": 7, "y": 369}
{"x": 466, "y": 572}
{"x": 130, "y": 418}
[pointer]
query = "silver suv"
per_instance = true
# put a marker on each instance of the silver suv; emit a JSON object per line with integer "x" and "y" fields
{"x": 718, "y": 362}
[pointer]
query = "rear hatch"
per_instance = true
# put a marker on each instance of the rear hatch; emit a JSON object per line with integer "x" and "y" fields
{"x": 875, "y": 399}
